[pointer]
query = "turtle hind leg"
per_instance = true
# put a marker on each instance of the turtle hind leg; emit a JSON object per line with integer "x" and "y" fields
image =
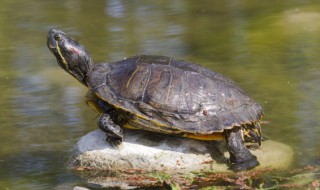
{"x": 113, "y": 131}
{"x": 240, "y": 157}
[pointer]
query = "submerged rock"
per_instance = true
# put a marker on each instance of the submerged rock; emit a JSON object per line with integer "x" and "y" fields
{"x": 145, "y": 152}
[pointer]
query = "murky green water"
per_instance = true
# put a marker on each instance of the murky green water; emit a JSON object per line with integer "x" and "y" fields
{"x": 270, "y": 48}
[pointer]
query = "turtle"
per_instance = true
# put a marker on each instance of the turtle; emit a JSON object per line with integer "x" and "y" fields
{"x": 164, "y": 95}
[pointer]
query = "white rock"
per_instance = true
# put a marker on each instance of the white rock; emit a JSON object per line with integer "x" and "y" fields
{"x": 147, "y": 152}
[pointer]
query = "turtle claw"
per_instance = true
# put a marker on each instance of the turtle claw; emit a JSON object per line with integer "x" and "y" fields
{"x": 244, "y": 165}
{"x": 115, "y": 142}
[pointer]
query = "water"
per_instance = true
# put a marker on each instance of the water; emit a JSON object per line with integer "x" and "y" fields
{"x": 269, "y": 48}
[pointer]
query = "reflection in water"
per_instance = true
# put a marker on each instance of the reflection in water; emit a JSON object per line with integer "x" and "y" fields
{"x": 308, "y": 112}
{"x": 29, "y": 92}
{"x": 70, "y": 100}
{"x": 271, "y": 50}
{"x": 115, "y": 9}
{"x": 144, "y": 29}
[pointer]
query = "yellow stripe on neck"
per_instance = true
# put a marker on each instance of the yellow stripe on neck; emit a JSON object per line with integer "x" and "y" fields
{"x": 59, "y": 51}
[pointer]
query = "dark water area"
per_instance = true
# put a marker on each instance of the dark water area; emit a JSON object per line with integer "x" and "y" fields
{"x": 270, "y": 48}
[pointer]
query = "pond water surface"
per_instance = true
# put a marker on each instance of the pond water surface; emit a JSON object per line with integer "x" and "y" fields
{"x": 270, "y": 48}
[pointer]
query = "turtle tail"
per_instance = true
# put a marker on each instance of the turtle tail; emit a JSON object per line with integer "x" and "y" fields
{"x": 253, "y": 133}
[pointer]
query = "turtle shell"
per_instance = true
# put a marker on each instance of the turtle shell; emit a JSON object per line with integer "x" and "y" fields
{"x": 167, "y": 95}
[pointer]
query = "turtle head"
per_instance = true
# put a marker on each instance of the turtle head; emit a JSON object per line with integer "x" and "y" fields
{"x": 71, "y": 56}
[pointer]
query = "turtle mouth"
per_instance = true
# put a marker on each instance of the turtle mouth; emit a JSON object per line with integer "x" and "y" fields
{"x": 51, "y": 43}
{"x": 51, "y": 47}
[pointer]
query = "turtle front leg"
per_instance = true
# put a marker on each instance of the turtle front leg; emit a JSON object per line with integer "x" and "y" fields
{"x": 240, "y": 157}
{"x": 113, "y": 131}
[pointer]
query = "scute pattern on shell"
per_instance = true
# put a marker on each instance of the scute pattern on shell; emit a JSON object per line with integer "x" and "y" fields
{"x": 173, "y": 96}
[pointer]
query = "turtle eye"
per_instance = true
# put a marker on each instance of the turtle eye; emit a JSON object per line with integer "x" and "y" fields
{"x": 57, "y": 37}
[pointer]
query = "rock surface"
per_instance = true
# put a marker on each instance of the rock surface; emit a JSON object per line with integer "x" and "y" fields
{"x": 143, "y": 152}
